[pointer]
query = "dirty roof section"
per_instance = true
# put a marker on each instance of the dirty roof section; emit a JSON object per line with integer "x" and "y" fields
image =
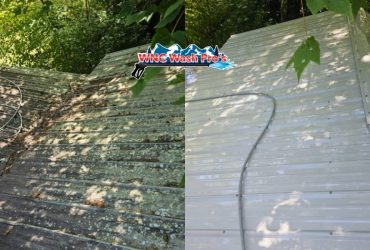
{"x": 104, "y": 171}
{"x": 40, "y": 89}
{"x": 110, "y": 66}
{"x": 307, "y": 185}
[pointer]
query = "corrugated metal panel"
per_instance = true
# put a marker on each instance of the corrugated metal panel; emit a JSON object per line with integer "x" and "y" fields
{"x": 40, "y": 90}
{"x": 360, "y": 35}
{"x": 104, "y": 172}
{"x": 307, "y": 185}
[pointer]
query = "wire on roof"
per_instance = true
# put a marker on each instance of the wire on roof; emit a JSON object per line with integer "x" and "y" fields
{"x": 249, "y": 155}
{"x": 15, "y": 110}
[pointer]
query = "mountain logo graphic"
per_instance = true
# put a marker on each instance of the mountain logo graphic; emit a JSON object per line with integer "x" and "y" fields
{"x": 191, "y": 56}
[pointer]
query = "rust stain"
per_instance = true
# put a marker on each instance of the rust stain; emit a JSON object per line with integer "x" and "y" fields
{"x": 97, "y": 202}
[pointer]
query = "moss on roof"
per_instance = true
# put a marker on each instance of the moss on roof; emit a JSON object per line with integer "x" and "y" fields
{"x": 102, "y": 169}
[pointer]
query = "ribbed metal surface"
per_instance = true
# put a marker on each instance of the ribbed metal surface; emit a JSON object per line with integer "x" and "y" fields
{"x": 105, "y": 172}
{"x": 360, "y": 35}
{"x": 40, "y": 90}
{"x": 307, "y": 185}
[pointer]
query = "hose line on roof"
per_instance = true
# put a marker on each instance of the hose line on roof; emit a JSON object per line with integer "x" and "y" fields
{"x": 15, "y": 109}
{"x": 249, "y": 155}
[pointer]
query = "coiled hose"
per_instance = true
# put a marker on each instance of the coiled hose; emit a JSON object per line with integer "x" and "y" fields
{"x": 16, "y": 110}
{"x": 249, "y": 155}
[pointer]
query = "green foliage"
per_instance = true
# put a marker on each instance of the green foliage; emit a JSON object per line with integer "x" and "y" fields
{"x": 179, "y": 37}
{"x": 168, "y": 19}
{"x": 180, "y": 101}
{"x": 64, "y": 35}
{"x": 315, "y": 5}
{"x": 144, "y": 15}
{"x": 178, "y": 79}
{"x": 168, "y": 29}
{"x": 138, "y": 87}
{"x": 182, "y": 181}
{"x": 308, "y": 51}
{"x": 357, "y": 4}
{"x": 211, "y": 22}
{"x": 162, "y": 35}
{"x": 347, "y": 8}
{"x": 149, "y": 74}
{"x": 173, "y": 8}
{"x": 170, "y": 14}
{"x": 341, "y": 7}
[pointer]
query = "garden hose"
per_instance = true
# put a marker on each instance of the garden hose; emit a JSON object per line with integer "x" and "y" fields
{"x": 16, "y": 110}
{"x": 249, "y": 156}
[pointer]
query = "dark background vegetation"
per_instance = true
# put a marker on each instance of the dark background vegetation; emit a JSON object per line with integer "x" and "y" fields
{"x": 211, "y": 22}
{"x": 74, "y": 35}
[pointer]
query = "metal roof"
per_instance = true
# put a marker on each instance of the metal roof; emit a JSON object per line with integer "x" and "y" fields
{"x": 307, "y": 185}
{"x": 40, "y": 89}
{"x": 103, "y": 171}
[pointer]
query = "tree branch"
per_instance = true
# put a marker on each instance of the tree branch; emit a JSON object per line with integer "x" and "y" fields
{"x": 178, "y": 20}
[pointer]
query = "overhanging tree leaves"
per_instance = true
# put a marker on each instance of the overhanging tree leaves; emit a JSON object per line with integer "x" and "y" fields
{"x": 139, "y": 86}
{"x": 168, "y": 30}
{"x": 180, "y": 101}
{"x": 347, "y": 8}
{"x": 308, "y": 51}
{"x": 173, "y": 8}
